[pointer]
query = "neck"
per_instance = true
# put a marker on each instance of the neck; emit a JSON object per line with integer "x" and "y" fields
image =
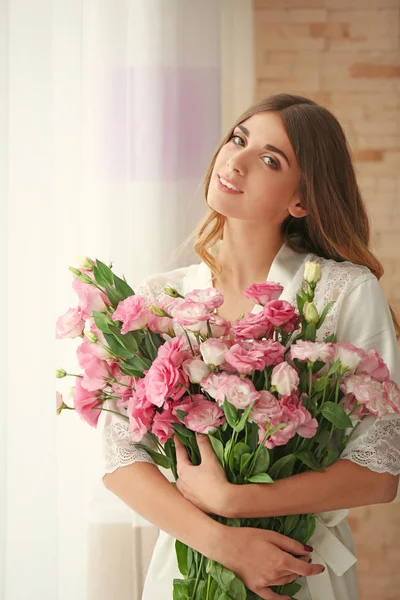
{"x": 247, "y": 252}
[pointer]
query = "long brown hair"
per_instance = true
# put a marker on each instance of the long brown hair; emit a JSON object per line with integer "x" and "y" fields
{"x": 328, "y": 188}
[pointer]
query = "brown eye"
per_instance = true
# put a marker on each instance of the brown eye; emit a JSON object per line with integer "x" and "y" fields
{"x": 271, "y": 162}
{"x": 237, "y": 140}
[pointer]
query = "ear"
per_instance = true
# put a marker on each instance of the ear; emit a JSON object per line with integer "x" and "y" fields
{"x": 296, "y": 209}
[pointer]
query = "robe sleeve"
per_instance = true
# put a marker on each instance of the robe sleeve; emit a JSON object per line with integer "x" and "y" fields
{"x": 366, "y": 322}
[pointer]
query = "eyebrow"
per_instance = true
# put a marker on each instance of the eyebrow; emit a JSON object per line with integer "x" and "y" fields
{"x": 267, "y": 146}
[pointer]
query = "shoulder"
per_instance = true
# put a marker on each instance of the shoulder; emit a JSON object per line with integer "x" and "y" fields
{"x": 152, "y": 286}
{"x": 340, "y": 278}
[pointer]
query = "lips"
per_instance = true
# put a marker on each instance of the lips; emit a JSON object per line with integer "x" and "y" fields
{"x": 226, "y": 184}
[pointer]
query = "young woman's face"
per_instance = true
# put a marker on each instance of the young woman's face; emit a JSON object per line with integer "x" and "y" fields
{"x": 256, "y": 176}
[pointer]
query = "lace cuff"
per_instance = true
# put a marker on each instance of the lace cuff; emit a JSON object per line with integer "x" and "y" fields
{"x": 376, "y": 444}
{"x": 118, "y": 450}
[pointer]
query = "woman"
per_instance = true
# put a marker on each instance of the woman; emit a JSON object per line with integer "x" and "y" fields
{"x": 281, "y": 190}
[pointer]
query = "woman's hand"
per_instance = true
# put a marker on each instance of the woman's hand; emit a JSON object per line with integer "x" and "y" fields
{"x": 262, "y": 558}
{"x": 204, "y": 485}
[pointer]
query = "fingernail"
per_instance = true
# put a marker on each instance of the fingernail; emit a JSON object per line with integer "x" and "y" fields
{"x": 323, "y": 569}
{"x": 308, "y": 548}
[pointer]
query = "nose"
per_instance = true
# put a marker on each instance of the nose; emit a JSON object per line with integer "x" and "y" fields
{"x": 236, "y": 164}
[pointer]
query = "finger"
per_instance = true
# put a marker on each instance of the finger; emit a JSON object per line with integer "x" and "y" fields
{"x": 181, "y": 454}
{"x": 288, "y": 545}
{"x": 268, "y": 594}
{"x": 298, "y": 566}
{"x": 205, "y": 447}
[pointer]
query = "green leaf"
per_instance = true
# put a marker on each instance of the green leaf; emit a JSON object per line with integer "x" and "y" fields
{"x": 244, "y": 463}
{"x": 291, "y": 588}
{"x": 331, "y": 457}
{"x": 116, "y": 347}
{"x": 231, "y": 413}
{"x": 181, "y": 589}
{"x": 224, "y": 596}
{"x": 113, "y": 295}
{"x": 300, "y": 303}
{"x": 330, "y": 338}
{"x": 283, "y": 467}
{"x": 218, "y": 448}
{"x": 222, "y": 576}
{"x": 324, "y": 314}
{"x": 262, "y": 461}
{"x": 101, "y": 321}
{"x": 290, "y": 523}
{"x": 128, "y": 370}
{"x": 182, "y": 556}
{"x": 243, "y": 419}
{"x": 337, "y": 415}
{"x": 240, "y": 449}
{"x": 299, "y": 533}
{"x": 139, "y": 363}
{"x": 122, "y": 287}
{"x": 200, "y": 590}
{"x": 181, "y": 414}
{"x": 126, "y": 340}
{"x": 99, "y": 278}
{"x": 237, "y": 591}
{"x": 160, "y": 459}
{"x": 252, "y": 435}
{"x": 311, "y": 524}
{"x": 233, "y": 522}
{"x": 261, "y": 478}
{"x": 308, "y": 458}
{"x": 184, "y": 431}
{"x": 335, "y": 367}
{"x": 321, "y": 383}
{"x": 105, "y": 272}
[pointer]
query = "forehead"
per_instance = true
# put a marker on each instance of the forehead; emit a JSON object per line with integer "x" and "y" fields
{"x": 267, "y": 128}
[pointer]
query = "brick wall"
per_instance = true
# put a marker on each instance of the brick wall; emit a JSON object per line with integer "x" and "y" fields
{"x": 345, "y": 54}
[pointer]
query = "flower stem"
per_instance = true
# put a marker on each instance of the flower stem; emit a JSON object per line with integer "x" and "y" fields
{"x": 198, "y": 576}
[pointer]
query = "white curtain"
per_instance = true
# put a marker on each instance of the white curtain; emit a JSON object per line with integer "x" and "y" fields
{"x": 109, "y": 114}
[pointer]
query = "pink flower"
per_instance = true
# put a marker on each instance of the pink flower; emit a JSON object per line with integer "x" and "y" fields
{"x": 213, "y": 351}
{"x": 349, "y": 355}
{"x": 279, "y": 312}
{"x": 262, "y": 293}
{"x": 373, "y": 365}
{"x": 90, "y": 298}
{"x": 86, "y": 403}
{"x": 133, "y": 313}
{"x": 349, "y": 402}
{"x": 191, "y": 315}
{"x": 211, "y": 297}
{"x": 163, "y": 324}
{"x": 175, "y": 351}
{"x": 162, "y": 424}
{"x": 245, "y": 359}
{"x": 96, "y": 374}
{"x": 162, "y": 382}
{"x": 273, "y": 351}
{"x": 70, "y": 324}
{"x": 204, "y": 416}
{"x": 392, "y": 395}
{"x": 284, "y": 435}
{"x": 291, "y": 324}
{"x": 239, "y": 392}
{"x": 141, "y": 414}
{"x": 368, "y": 392}
{"x": 285, "y": 379}
{"x": 254, "y": 326}
{"x": 265, "y": 407}
{"x": 219, "y": 326}
{"x": 214, "y": 386}
{"x": 120, "y": 389}
{"x": 183, "y": 404}
{"x": 312, "y": 351}
{"x": 196, "y": 369}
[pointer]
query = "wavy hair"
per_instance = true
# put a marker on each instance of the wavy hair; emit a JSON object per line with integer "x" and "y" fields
{"x": 328, "y": 188}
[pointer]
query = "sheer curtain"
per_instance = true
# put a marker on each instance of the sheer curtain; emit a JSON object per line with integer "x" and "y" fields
{"x": 109, "y": 114}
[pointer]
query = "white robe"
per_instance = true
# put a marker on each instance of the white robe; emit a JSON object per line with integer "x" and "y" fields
{"x": 360, "y": 316}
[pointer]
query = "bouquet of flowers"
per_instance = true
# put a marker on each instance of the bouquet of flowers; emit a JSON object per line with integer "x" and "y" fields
{"x": 272, "y": 400}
